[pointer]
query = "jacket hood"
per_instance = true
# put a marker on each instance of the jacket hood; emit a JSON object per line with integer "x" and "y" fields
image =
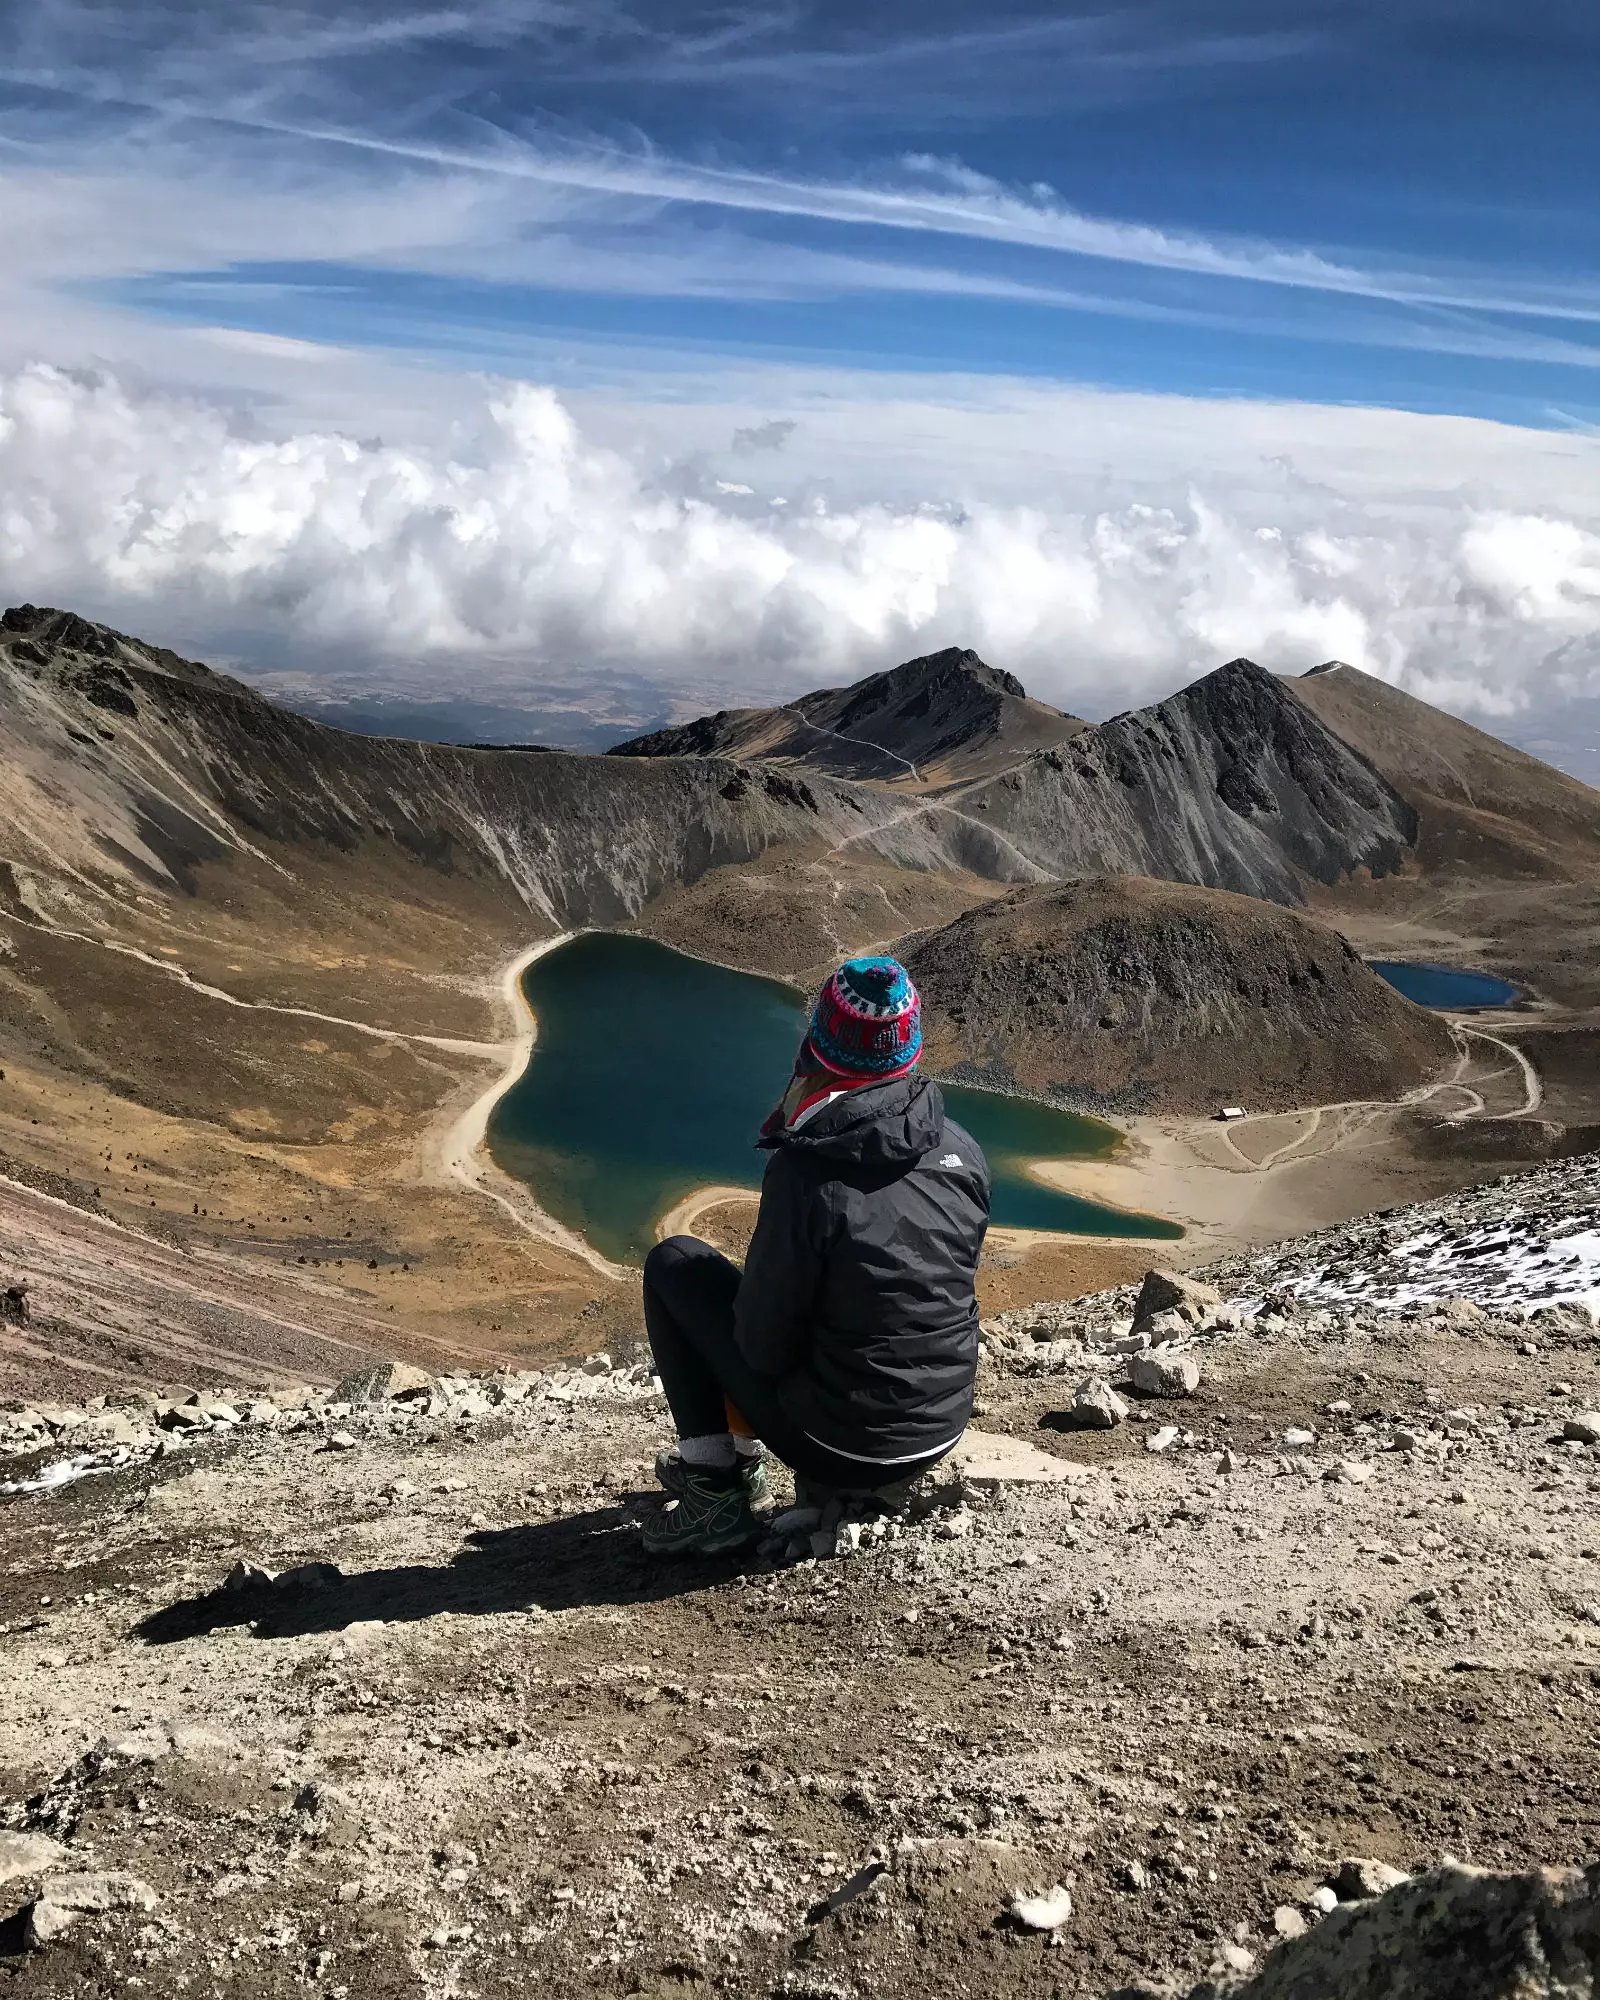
{"x": 883, "y": 1125}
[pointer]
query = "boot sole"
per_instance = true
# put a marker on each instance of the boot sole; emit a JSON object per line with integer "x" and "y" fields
{"x": 710, "y": 1545}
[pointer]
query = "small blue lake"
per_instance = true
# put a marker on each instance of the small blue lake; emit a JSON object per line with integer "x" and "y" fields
{"x": 652, "y": 1074}
{"x": 1444, "y": 986}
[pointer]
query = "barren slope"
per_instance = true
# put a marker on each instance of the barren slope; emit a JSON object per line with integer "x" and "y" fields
{"x": 1484, "y": 807}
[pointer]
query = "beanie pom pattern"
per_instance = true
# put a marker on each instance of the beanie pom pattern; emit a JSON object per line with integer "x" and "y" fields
{"x": 868, "y": 1020}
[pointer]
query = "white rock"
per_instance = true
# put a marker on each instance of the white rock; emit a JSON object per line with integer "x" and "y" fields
{"x": 1583, "y": 1429}
{"x": 1165, "y": 1371}
{"x": 341, "y": 1441}
{"x": 1357, "y": 1878}
{"x": 986, "y": 1459}
{"x": 1349, "y": 1472}
{"x": 1043, "y": 1913}
{"x": 1298, "y": 1440}
{"x": 1288, "y": 1922}
{"x": 1163, "y": 1439}
{"x": 1096, "y": 1406}
{"x": 28, "y": 1854}
{"x": 1323, "y": 1900}
{"x": 65, "y": 1897}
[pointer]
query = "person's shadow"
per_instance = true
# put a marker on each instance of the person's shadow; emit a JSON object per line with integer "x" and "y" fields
{"x": 593, "y": 1558}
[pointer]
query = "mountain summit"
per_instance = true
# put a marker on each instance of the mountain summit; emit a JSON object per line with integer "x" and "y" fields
{"x": 938, "y": 719}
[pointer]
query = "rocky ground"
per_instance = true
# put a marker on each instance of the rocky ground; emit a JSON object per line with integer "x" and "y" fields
{"x": 373, "y": 1692}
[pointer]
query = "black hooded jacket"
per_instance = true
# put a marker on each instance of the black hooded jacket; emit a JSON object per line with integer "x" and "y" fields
{"x": 858, "y": 1286}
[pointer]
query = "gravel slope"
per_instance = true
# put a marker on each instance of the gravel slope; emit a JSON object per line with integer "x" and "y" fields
{"x": 495, "y": 1752}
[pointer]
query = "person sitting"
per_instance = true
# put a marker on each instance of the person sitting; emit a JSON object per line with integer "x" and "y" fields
{"x": 849, "y": 1343}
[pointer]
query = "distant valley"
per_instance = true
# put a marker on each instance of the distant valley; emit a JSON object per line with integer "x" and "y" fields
{"x": 250, "y": 964}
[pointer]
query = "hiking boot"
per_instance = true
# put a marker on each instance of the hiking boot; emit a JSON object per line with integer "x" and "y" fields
{"x": 673, "y": 1475}
{"x": 711, "y": 1516}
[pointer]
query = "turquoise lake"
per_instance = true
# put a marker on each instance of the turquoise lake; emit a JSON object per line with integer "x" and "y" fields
{"x": 1445, "y": 986}
{"x": 653, "y": 1072}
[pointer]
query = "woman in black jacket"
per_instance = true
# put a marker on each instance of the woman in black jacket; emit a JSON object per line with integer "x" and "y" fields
{"x": 849, "y": 1344}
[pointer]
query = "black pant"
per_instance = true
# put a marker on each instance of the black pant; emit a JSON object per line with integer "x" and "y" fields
{"x": 689, "y": 1290}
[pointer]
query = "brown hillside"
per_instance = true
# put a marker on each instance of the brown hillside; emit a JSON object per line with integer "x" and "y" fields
{"x": 1483, "y": 806}
{"x": 1128, "y": 994}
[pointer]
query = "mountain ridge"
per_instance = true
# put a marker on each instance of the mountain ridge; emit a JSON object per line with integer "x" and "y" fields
{"x": 936, "y": 719}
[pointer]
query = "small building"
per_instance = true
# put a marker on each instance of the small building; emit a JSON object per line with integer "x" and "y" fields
{"x": 1230, "y": 1112}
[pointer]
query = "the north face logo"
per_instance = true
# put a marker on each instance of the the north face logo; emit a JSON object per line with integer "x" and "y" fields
{"x": 951, "y": 1160}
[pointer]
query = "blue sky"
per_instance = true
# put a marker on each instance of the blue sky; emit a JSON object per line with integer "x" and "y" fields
{"x": 751, "y": 346}
{"x": 1387, "y": 203}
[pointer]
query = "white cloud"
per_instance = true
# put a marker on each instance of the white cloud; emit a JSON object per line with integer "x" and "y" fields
{"x": 525, "y": 534}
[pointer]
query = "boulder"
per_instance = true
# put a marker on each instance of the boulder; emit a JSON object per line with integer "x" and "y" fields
{"x": 1584, "y": 1428}
{"x": 1456, "y": 1933}
{"x": 1169, "y": 1291}
{"x": 987, "y": 1460}
{"x": 64, "y": 1898}
{"x": 1096, "y": 1406}
{"x": 1165, "y": 1371}
{"x": 1358, "y": 1878}
{"x": 28, "y": 1854}
{"x": 383, "y": 1382}
{"x": 246, "y": 1575}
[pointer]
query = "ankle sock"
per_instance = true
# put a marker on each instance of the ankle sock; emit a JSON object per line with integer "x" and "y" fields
{"x": 712, "y": 1452}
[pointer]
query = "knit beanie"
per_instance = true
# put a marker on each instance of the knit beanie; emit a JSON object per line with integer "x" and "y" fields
{"x": 868, "y": 1020}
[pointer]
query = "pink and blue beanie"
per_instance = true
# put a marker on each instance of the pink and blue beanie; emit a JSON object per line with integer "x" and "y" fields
{"x": 868, "y": 1020}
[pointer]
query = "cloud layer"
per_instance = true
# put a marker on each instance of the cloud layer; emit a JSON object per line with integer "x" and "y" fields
{"x": 524, "y": 536}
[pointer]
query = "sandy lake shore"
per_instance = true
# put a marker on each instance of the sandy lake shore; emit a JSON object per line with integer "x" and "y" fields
{"x": 459, "y": 1149}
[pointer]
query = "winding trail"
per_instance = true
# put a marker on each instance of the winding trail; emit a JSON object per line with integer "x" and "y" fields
{"x": 920, "y": 811}
{"x": 863, "y": 742}
{"x": 457, "y": 1150}
{"x": 1533, "y": 1100}
{"x": 183, "y": 977}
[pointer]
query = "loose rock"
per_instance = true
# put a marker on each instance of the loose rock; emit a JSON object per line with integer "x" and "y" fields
{"x": 1169, "y": 1291}
{"x": 1096, "y": 1406}
{"x": 1042, "y": 1913}
{"x": 1358, "y": 1878}
{"x": 1165, "y": 1371}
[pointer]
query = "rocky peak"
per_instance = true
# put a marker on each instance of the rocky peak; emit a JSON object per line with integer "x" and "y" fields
{"x": 39, "y": 635}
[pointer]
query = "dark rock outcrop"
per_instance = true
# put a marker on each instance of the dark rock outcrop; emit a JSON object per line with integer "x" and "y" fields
{"x": 945, "y": 716}
{"x": 1132, "y": 995}
{"x": 1231, "y": 783}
